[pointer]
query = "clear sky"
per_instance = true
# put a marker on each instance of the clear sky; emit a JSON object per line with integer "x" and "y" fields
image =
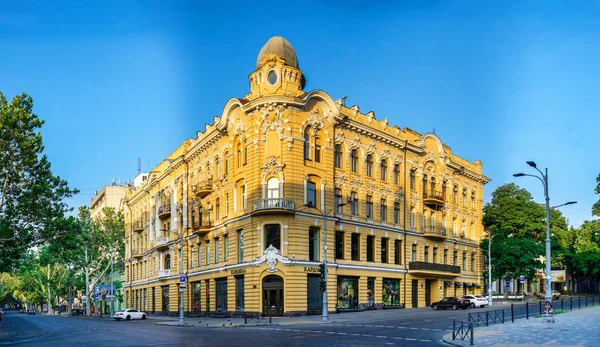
{"x": 500, "y": 81}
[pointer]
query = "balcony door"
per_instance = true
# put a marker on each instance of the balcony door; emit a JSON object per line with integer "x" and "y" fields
{"x": 273, "y": 188}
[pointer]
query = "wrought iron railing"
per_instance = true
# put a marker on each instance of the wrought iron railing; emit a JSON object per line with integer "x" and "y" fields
{"x": 276, "y": 203}
{"x": 420, "y": 265}
{"x": 434, "y": 195}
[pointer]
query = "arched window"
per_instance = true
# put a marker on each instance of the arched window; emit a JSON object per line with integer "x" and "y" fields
{"x": 369, "y": 165}
{"x": 432, "y": 182}
{"x": 217, "y": 167}
{"x": 240, "y": 155}
{"x": 317, "y": 155}
{"x": 272, "y": 188}
{"x": 167, "y": 262}
{"x": 396, "y": 174}
{"x": 455, "y": 195}
{"x": 226, "y": 163}
{"x": 354, "y": 159}
{"x": 464, "y": 197}
{"x": 383, "y": 168}
{"x": 311, "y": 193}
{"x": 412, "y": 179}
{"x": 473, "y": 200}
{"x": 306, "y": 146}
{"x": 444, "y": 190}
{"x": 424, "y": 185}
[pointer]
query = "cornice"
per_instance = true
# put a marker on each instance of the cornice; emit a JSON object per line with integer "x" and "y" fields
{"x": 461, "y": 170}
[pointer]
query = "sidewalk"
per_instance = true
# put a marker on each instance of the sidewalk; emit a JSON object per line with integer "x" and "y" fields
{"x": 573, "y": 328}
{"x": 237, "y": 322}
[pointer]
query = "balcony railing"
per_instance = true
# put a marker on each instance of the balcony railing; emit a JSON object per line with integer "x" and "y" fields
{"x": 203, "y": 222}
{"x": 136, "y": 252}
{"x": 424, "y": 266}
{"x": 274, "y": 203}
{"x": 435, "y": 233}
{"x": 202, "y": 189}
{"x": 162, "y": 241}
{"x": 138, "y": 225}
{"x": 433, "y": 198}
{"x": 164, "y": 273}
{"x": 164, "y": 211}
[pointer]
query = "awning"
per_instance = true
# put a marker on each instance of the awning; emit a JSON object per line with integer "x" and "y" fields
{"x": 458, "y": 284}
{"x": 468, "y": 284}
{"x": 477, "y": 285}
{"x": 448, "y": 283}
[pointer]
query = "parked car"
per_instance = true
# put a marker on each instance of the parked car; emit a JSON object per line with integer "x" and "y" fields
{"x": 31, "y": 311}
{"x": 1, "y": 314}
{"x": 129, "y": 314}
{"x": 555, "y": 295}
{"x": 451, "y": 302}
{"x": 475, "y": 300}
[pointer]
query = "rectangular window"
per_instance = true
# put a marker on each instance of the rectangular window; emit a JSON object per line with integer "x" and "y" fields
{"x": 226, "y": 163}
{"x": 354, "y": 203}
{"x": 434, "y": 258}
{"x": 200, "y": 246}
{"x": 306, "y": 147}
{"x": 383, "y": 209}
{"x": 369, "y": 165}
{"x": 383, "y": 168}
{"x": 473, "y": 200}
{"x": 207, "y": 252}
{"x": 246, "y": 150}
{"x": 165, "y": 299}
{"x": 354, "y": 160}
{"x": 217, "y": 208}
{"x": 313, "y": 244}
{"x": 384, "y": 250}
{"x": 412, "y": 220}
{"x": 369, "y": 206}
{"x": 338, "y": 200}
{"x": 370, "y": 245}
{"x": 397, "y": 252}
{"x": 338, "y": 156}
{"x": 412, "y": 179}
{"x": 426, "y": 254}
{"x": 464, "y": 260}
{"x": 445, "y": 257}
{"x": 196, "y": 303}
{"x": 396, "y": 174}
{"x": 414, "y": 253}
{"x": 225, "y": 248}
{"x": 226, "y": 203}
{"x": 240, "y": 246}
{"x": 396, "y": 212}
{"x": 455, "y": 258}
{"x": 317, "y": 153}
{"x": 273, "y": 236}
{"x": 339, "y": 245}
{"x": 311, "y": 194}
{"x": 473, "y": 261}
{"x": 239, "y": 293}
{"x": 355, "y": 246}
{"x": 243, "y": 189}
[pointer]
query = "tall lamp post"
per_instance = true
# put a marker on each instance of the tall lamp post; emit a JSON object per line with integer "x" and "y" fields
{"x": 181, "y": 290}
{"x": 325, "y": 314}
{"x": 544, "y": 180}
{"x": 490, "y": 268}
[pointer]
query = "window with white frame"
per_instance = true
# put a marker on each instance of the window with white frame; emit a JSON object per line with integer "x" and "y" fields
{"x": 311, "y": 194}
{"x": 273, "y": 188}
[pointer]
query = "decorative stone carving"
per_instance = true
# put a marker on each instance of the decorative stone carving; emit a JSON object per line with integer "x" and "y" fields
{"x": 272, "y": 166}
{"x": 370, "y": 187}
{"x": 355, "y": 183}
{"x": 339, "y": 103}
{"x": 339, "y": 136}
{"x": 370, "y": 116}
{"x": 272, "y": 118}
{"x": 430, "y": 157}
{"x": 355, "y": 110}
{"x": 384, "y": 123}
{"x": 340, "y": 179}
{"x": 314, "y": 121}
{"x": 239, "y": 127}
{"x": 386, "y": 153}
{"x": 271, "y": 257}
{"x": 414, "y": 200}
{"x": 355, "y": 143}
{"x": 399, "y": 194}
{"x": 385, "y": 191}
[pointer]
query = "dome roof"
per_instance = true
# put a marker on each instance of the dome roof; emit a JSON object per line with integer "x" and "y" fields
{"x": 281, "y": 47}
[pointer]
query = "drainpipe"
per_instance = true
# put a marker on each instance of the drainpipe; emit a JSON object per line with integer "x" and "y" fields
{"x": 404, "y": 219}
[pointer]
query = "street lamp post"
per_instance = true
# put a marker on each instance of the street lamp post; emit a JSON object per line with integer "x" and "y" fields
{"x": 490, "y": 269}
{"x": 544, "y": 180}
{"x": 181, "y": 291}
{"x": 325, "y": 314}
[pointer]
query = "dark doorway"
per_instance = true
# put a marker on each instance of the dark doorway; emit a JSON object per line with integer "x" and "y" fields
{"x": 314, "y": 295}
{"x": 221, "y": 300}
{"x": 427, "y": 293}
{"x": 273, "y": 295}
{"x": 415, "y": 293}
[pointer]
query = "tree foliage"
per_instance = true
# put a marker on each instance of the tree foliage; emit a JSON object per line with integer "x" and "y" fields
{"x": 31, "y": 197}
{"x": 596, "y": 206}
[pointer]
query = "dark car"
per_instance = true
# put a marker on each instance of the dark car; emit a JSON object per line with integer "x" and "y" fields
{"x": 1, "y": 314}
{"x": 451, "y": 302}
{"x": 31, "y": 311}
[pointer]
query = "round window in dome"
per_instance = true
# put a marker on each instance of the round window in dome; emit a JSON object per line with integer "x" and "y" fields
{"x": 272, "y": 77}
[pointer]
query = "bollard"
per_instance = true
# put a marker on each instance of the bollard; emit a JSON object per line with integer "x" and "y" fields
{"x": 453, "y": 329}
{"x": 571, "y": 303}
{"x": 540, "y": 306}
{"x": 579, "y": 302}
{"x": 471, "y": 328}
{"x": 526, "y": 310}
{"x": 245, "y": 318}
{"x": 586, "y": 302}
{"x": 512, "y": 312}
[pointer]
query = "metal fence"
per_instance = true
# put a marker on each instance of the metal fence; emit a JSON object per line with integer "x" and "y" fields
{"x": 496, "y": 316}
{"x": 462, "y": 330}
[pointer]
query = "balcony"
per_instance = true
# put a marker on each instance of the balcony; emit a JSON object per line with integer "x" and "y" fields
{"x": 202, "y": 189}
{"x": 436, "y": 234}
{"x": 203, "y": 225}
{"x": 136, "y": 253}
{"x": 270, "y": 206}
{"x": 434, "y": 198}
{"x": 163, "y": 274}
{"x": 162, "y": 242}
{"x": 138, "y": 226}
{"x": 164, "y": 211}
{"x": 428, "y": 269}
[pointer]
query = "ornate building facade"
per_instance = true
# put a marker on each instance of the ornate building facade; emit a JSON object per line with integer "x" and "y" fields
{"x": 249, "y": 197}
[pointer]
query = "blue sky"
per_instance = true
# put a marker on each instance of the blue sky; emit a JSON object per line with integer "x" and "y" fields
{"x": 500, "y": 81}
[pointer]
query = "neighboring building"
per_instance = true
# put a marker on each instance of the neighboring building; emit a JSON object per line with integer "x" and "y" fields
{"x": 408, "y": 233}
{"x": 108, "y": 196}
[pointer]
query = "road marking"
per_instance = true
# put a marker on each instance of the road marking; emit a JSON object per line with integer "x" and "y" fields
{"x": 367, "y": 335}
{"x": 379, "y": 326}
{"x": 425, "y": 340}
{"x": 381, "y": 337}
{"x": 368, "y": 325}
{"x": 398, "y": 338}
{"x": 405, "y": 323}
{"x": 296, "y": 330}
{"x": 402, "y": 328}
{"x": 355, "y": 334}
{"x": 358, "y": 325}
{"x": 389, "y": 326}
{"x": 414, "y": 328}
{"x": 389, "y": 343}
{"x": 287, "y": 329}
{"x": 436, "y": 329}
{"x": 342, "y": 333}
{"x": 349, "y": 325}
{"x": 425, "y": 329}
{"x": 329, "y": 332}
{"x": 278, "y": 329}
{"x": 427, "y": 320}
{"x": 409, "y": 339}
{"x": 317, "y": 331}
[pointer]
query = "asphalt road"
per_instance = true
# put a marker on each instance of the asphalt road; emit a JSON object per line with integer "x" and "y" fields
{"x": 410, "y": 327}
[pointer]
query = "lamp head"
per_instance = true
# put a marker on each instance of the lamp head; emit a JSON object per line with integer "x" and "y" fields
{"x": 342, "y": 204}
{"x": 571, "y": 202}
{"x": 520, "y": 174}
{"x": 532, "y": 164}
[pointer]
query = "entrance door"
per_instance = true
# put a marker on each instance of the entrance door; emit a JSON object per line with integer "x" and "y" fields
{"x": 314, "y": 295}
{"x": 427, "y": 293}
{"x": 221, "y": 300}
{"x": 415, "y": 293}
{"x": 273, "y": 295}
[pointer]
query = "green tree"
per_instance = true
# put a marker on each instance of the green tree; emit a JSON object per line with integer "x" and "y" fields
{"x": 596, "y": 206}
{"x": 30, "y": 195}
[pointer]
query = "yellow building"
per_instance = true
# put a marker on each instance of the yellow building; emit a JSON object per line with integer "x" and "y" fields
{"x": 241, "y": 193}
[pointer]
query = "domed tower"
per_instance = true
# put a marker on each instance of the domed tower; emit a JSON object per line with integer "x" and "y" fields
{"x": 277, "y": 71}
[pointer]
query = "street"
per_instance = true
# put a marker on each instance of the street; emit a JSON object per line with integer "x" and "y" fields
{"x": 411, "y": 327}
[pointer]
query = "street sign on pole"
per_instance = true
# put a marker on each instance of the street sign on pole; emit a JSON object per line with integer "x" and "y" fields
{"x": 182, "y": 279}
{"x": 522, "y": 279}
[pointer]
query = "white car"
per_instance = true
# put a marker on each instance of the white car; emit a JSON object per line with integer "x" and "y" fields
{"x": 129, "y": 314}
{"x": 475, "y": 300}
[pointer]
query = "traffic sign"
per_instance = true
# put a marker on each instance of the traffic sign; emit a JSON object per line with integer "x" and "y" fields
{"x": 522, "y": 279}
{"x": 182, "y": 279}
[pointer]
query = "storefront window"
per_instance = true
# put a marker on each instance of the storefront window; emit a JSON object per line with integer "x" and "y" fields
{"x": 347, "y": 292}
{"x": 391, "y": 292}
{"x": 371, "y": 291}
{"x": 196, "y": 296}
